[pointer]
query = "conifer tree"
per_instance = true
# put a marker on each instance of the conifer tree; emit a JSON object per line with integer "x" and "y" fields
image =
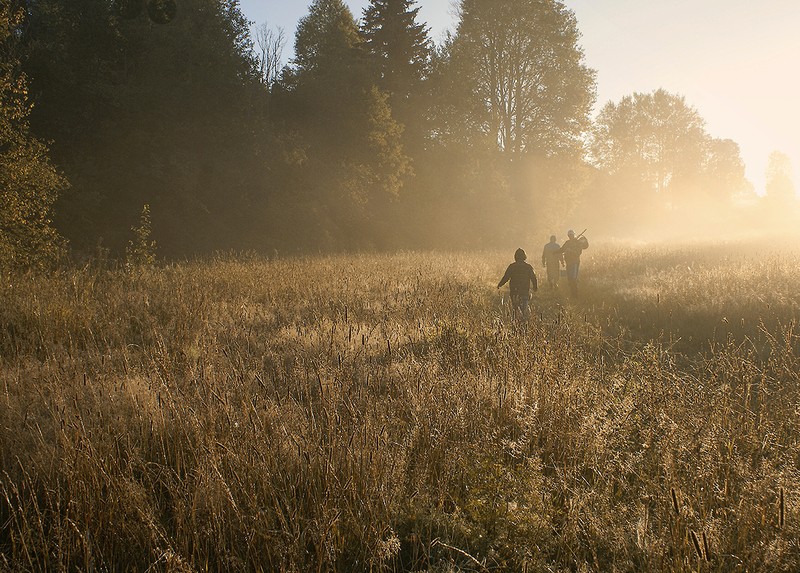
{"x": 354, "y": 162}
{"x": 143, "y": 112}
{"x": 399, "y": 44}
{"x": 400, "y": 51}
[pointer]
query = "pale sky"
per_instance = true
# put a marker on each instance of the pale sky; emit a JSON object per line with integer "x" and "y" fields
{"x": 735, "y": 61}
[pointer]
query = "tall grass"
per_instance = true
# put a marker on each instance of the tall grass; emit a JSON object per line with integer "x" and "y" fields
{"x": 384, "y": 413}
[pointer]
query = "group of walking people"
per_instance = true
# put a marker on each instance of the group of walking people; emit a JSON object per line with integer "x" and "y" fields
{"x": 523, "y": 280}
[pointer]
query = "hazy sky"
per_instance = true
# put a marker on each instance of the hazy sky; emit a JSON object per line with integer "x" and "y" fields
{"x": 735, "y": 61}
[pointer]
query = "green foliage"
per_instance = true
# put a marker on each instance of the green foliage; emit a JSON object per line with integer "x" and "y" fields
{"x": 521, "y": 64}
{"x": 29, "y": 183}
{"x": 354, "y": 164}
{"x": 372, "y": 137}
{"x": 326, "y": 38}
{"x": 400, "y": 45}
{"x": 664, "y": 169}
{"x": 511, "y": 100}
{"x": 141, "y": 248}
{"x": 164, "y": 114}
{"x": 400, "y": 54}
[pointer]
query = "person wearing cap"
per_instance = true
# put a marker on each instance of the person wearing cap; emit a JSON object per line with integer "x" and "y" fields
{"x": 522, "y": 280}
{"x": 552, "y": 258}
{"x": 571, "y": 250}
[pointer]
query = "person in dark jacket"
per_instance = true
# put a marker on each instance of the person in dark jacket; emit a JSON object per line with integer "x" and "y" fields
{"x": 552, "y": 259}
{"x": 572, "y": 249}
{"x": 522, "y": 281}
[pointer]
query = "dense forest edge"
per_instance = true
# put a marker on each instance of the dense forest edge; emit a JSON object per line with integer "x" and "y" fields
{"x": 120, "y": 116}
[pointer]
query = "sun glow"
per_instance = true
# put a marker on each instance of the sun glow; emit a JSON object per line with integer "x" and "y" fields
{"x": 731, "y": 62}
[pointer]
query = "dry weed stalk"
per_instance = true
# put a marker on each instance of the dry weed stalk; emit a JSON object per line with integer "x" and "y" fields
{"x": 288, "y": 414}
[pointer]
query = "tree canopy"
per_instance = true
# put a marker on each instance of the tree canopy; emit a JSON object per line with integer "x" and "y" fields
{"x": 400, "y": 45}
{"x": 522, "y": 63}
{"x": 29, "y": 183}
{"x": 145, "y": 113}
{"x": 370, "y": 137}
{"x": 660, "y": 158}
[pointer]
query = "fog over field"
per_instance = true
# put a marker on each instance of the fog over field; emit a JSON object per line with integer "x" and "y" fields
{"x": 355, "y": 296}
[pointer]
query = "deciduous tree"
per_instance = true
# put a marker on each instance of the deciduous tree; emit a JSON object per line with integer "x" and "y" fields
{"x": 511, "y": 84}
{"x": 724, "y": 172}
{"x": 29, "y": 183}
{"x": 660, "y": 159}
{"x": 521, "y": 62}
{"x": 270, "y": 44}
{"x": 657, "y": 136}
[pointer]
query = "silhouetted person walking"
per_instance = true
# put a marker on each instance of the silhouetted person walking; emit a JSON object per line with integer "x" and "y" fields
{"x": 572, "y": 249}
{"x": 523, "y": 279}
{"x": 552, "y": 259}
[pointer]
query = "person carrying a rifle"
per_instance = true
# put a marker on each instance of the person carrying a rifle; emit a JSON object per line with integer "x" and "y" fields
{"x": 523, "y": 279}
{"x": 572, "y": 249}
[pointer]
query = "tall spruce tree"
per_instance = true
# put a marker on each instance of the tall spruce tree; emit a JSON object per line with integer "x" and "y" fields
{"x": 400, "y": 50}
{"x": 400, "y": 46}
{"x": 353, "y": 161}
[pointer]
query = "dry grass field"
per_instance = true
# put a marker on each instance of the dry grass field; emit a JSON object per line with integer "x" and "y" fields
{"x": 385, "y": 413}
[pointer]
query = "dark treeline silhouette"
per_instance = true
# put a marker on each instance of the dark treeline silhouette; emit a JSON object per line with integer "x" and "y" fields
{"x": 372, "y": 137}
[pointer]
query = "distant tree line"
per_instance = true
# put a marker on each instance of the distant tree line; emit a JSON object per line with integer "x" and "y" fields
{"x": 372, "y": 137}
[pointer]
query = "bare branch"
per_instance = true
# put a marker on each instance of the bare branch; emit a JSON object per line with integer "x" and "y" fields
{"x": 270, "y": 44}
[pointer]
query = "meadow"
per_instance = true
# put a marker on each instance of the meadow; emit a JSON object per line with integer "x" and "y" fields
{"x": 387, "y": 413}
